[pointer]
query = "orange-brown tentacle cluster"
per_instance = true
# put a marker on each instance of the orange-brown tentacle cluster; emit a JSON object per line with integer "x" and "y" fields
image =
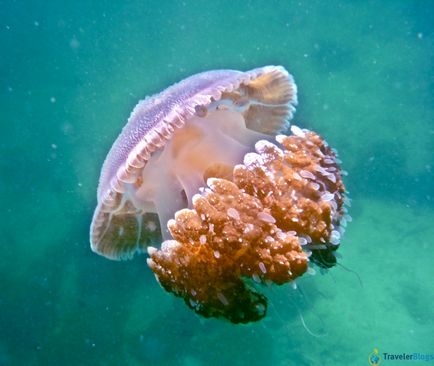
{"x": 253, "y": 227}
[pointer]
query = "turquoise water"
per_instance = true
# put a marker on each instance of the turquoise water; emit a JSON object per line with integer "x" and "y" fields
{"x": 70, "y": 73}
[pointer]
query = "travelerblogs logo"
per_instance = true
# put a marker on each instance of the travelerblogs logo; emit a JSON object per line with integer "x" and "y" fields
{"x": 376, "y": 357}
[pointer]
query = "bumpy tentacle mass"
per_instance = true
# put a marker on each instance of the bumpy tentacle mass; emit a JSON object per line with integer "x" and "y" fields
{"x": 280, "y": 207}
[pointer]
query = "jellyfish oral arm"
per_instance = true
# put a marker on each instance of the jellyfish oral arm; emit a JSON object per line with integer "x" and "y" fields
{"x": 208, "y": 147}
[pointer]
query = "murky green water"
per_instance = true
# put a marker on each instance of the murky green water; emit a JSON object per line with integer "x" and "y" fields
{"x": 70, "y": 73}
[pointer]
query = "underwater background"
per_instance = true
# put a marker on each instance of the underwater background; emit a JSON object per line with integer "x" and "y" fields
{"x": 71, "y": 72}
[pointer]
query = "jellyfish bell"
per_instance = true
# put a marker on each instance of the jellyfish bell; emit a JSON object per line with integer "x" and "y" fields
{"x": 174, "y": 141}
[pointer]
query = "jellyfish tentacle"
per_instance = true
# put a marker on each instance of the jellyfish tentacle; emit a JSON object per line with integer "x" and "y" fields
{"x": 252, "y": 226}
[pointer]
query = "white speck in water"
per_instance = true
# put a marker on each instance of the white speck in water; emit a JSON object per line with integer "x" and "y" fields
{"x": 74, "y": 43}
{"x": 202, "y": 239}
{"x": 262, "y": 267}
{"x": 53, "y": 100}
{"x": 217, "y": 254}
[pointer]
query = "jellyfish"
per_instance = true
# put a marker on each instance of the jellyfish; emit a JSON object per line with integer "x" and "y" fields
{"x": 205, "y": 167}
